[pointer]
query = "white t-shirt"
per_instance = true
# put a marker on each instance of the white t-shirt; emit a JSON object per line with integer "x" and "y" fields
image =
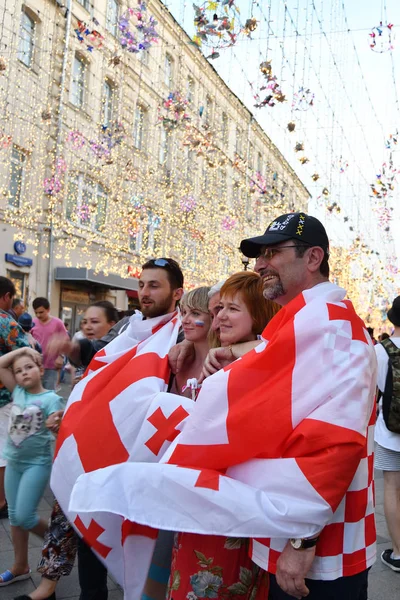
{"x": 383, "y": 436}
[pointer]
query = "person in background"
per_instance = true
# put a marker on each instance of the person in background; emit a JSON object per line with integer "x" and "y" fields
{"x": 371, "y": 334}
{"x": 17, "y": 308}
{"x": 26, "y": 322}
{"x": 383, "y": 336}
{"x": 46, "y": 326}
{"x": 387, "y": 451}
{"x": 28, "y": 451}
{"x": 11, "y": 337}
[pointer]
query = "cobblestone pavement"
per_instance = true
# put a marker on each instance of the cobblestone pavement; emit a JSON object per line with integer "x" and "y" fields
{"x": 384, "y": 584}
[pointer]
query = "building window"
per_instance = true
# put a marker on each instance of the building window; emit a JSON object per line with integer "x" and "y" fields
{"x": 224, "y": 129}
{"x": 164, "y": 155}
{"x": 144, "y": 237}
{"x": 239, "y": 141}
{"x": 168, "y": 67}
{"x": 108, "y": 103}
{"x": 19, "y": 279}
{"x": 85, "y": 4}
{"x": 144, "y": 56}
{"x": 112, "y": 17}
{"x": 140, "y": 127}
{"x": 259, "y": 163}
{"x": 250, "y": 158}
{"x": 190, "y": 165}
{"x": 208, "y": 110}
{"x": 26, "y": 39}
{"x": 86, "y": 203}
{"x": 190, "y": 89}
{"x": 17, "y": 177}
{"x": 78, "y": 82}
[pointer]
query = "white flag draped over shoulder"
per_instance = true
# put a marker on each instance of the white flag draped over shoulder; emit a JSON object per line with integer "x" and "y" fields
{"x": 119, "y": 412}
{"x": 278, "y": 445}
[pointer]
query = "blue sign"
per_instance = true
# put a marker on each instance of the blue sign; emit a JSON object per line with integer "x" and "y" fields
{"x": 19, "y": 261}
{"x": 19, "y": 247}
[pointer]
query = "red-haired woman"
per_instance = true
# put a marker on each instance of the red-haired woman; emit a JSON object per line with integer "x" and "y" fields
{"x": 214, "y": 566}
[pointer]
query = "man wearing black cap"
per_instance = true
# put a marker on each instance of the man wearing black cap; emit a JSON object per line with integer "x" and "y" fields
{"x": 292, "y": 259}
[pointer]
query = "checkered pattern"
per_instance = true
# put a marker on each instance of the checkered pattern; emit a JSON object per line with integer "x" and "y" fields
{"x": 347, "y": 545}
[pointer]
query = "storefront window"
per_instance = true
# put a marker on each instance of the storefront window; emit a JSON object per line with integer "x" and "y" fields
{"x": 20, "y": 281}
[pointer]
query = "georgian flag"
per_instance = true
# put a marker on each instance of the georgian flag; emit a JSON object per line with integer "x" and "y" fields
{"x": 120, "y": 412}
{"x": 275, "y": 446}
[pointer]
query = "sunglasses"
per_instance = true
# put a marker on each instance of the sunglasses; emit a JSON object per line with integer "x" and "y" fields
{"x": 161, "y": 262}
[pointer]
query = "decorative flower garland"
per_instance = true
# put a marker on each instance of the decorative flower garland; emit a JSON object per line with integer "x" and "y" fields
{"x": 5, "y": 140}
{"x": 303, "y": 99}
{"x": 274, "y": 92}
{"x": 228, "y": 223}
{"x": 187, "y": 204}
{"x": 217, "y": 24}
{"x": 174, "y": 111}
{"x": 381, "y": 38}
{"x": 138, "y": 31}
{"x": 90, "y": 37}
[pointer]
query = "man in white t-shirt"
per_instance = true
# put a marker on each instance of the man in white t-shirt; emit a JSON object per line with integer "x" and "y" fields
{"x": 387, "y": 453}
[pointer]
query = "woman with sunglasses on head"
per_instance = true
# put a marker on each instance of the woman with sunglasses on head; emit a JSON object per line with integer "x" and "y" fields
{"x": 215, "y": 566}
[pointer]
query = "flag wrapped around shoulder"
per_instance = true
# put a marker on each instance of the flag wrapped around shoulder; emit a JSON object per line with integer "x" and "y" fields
{"x": 278, "y": 445}
{"x": 119, "y": 412}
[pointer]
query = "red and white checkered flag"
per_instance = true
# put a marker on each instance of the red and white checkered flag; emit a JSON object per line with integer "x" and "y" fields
{"x": 278, "y": 445}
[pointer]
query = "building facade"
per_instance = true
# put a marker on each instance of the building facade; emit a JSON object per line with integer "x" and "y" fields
{"x": 110, "y": 156}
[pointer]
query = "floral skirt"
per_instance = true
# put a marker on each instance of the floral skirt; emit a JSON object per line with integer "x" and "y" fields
{"x": 209, "y": 566}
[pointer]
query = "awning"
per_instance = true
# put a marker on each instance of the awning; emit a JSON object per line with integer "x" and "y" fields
{"x": 114, "y": 282}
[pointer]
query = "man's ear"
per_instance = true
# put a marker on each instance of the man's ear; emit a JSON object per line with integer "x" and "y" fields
{"x": 315, "y": 258}
{"x": 178, "y": 293}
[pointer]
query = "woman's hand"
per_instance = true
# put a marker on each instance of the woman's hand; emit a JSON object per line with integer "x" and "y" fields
{"x": 59, "y": 344}
{"x": 216, "y": 359}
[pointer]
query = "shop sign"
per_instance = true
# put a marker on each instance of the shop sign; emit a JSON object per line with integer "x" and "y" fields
{"x": 76, "y": 296}
{"x": 19, "y": 261}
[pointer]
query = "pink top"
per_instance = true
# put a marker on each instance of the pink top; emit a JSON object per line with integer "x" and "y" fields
{"x": 43, "y": 333}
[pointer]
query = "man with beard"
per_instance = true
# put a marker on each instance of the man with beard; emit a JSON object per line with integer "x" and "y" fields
{"x": 160, "y": 289}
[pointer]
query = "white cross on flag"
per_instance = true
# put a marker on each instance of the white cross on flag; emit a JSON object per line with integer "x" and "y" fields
{"x": 278, "y": 445}
{"x": 119, "y": 412}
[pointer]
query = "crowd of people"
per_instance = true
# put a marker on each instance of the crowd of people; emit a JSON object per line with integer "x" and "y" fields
{"x": 274, "y": 377}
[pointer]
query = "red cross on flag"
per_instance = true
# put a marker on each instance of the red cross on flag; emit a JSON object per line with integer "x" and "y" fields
{"x": 119, "y": 412}
{"x": 278, "y": 445}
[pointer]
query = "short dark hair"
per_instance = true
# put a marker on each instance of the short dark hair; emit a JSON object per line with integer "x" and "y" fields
{"x": 6, "y": 287}
{"x": 40, "y": 303}
{"x": 301, "y": 249}
{"x": 173, "y": 270}
{"x": 16, "y": 302}
{"x": 109, "y": 309}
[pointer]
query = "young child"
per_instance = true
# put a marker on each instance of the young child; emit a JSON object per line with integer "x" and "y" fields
{"x": 28, "y": 451}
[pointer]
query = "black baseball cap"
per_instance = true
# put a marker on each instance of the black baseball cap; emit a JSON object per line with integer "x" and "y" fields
{"x": 293, "y": 226}
{"x": 394, "y": 312}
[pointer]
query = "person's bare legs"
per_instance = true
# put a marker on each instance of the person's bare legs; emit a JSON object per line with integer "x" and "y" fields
{"x": 2, "y": 493}
{"x": 41, "y": 528}
{"x": 19, "y": 538}
{"x": 391, "y": 503}
{"x": 46, "y": 588}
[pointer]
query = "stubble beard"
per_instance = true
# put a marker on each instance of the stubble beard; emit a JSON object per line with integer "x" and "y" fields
{"x": 273, "y": 292}
{"x": 158, "y": 309}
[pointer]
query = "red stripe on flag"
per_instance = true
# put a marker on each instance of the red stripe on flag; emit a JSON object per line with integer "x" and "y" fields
{"x": 91, "y": 534}
{"x": 129, "y": 528}
{"x": 337, "y": 312}
{"x": 165, "y": 428}
{"x": 90, "y": 419}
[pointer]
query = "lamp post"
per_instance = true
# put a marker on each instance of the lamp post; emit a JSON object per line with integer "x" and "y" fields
{"x": 245, "y": 261}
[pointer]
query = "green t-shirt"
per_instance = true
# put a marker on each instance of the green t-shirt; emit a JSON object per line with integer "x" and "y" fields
{"x": 29, "y": 440}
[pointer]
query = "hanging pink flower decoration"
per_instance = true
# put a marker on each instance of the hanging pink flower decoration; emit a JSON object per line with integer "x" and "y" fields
{"x": 52, "y": 186}
{"x": 83, "y": 213}
{"x": 187, "y": 204}
{"x": 76, "y": 139}
{"x": 228, "y": 223}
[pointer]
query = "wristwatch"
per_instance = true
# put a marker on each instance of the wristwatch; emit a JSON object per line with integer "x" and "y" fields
{"x": 303, "y": 543}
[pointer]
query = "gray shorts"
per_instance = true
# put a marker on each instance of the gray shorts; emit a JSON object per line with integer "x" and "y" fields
{"x": 386, "y": 460}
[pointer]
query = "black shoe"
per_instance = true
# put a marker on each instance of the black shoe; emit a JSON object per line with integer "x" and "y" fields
{"x": 25, "y": 597}
{"x": 4, "y": 512}
{"x": 392, "y": 563}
